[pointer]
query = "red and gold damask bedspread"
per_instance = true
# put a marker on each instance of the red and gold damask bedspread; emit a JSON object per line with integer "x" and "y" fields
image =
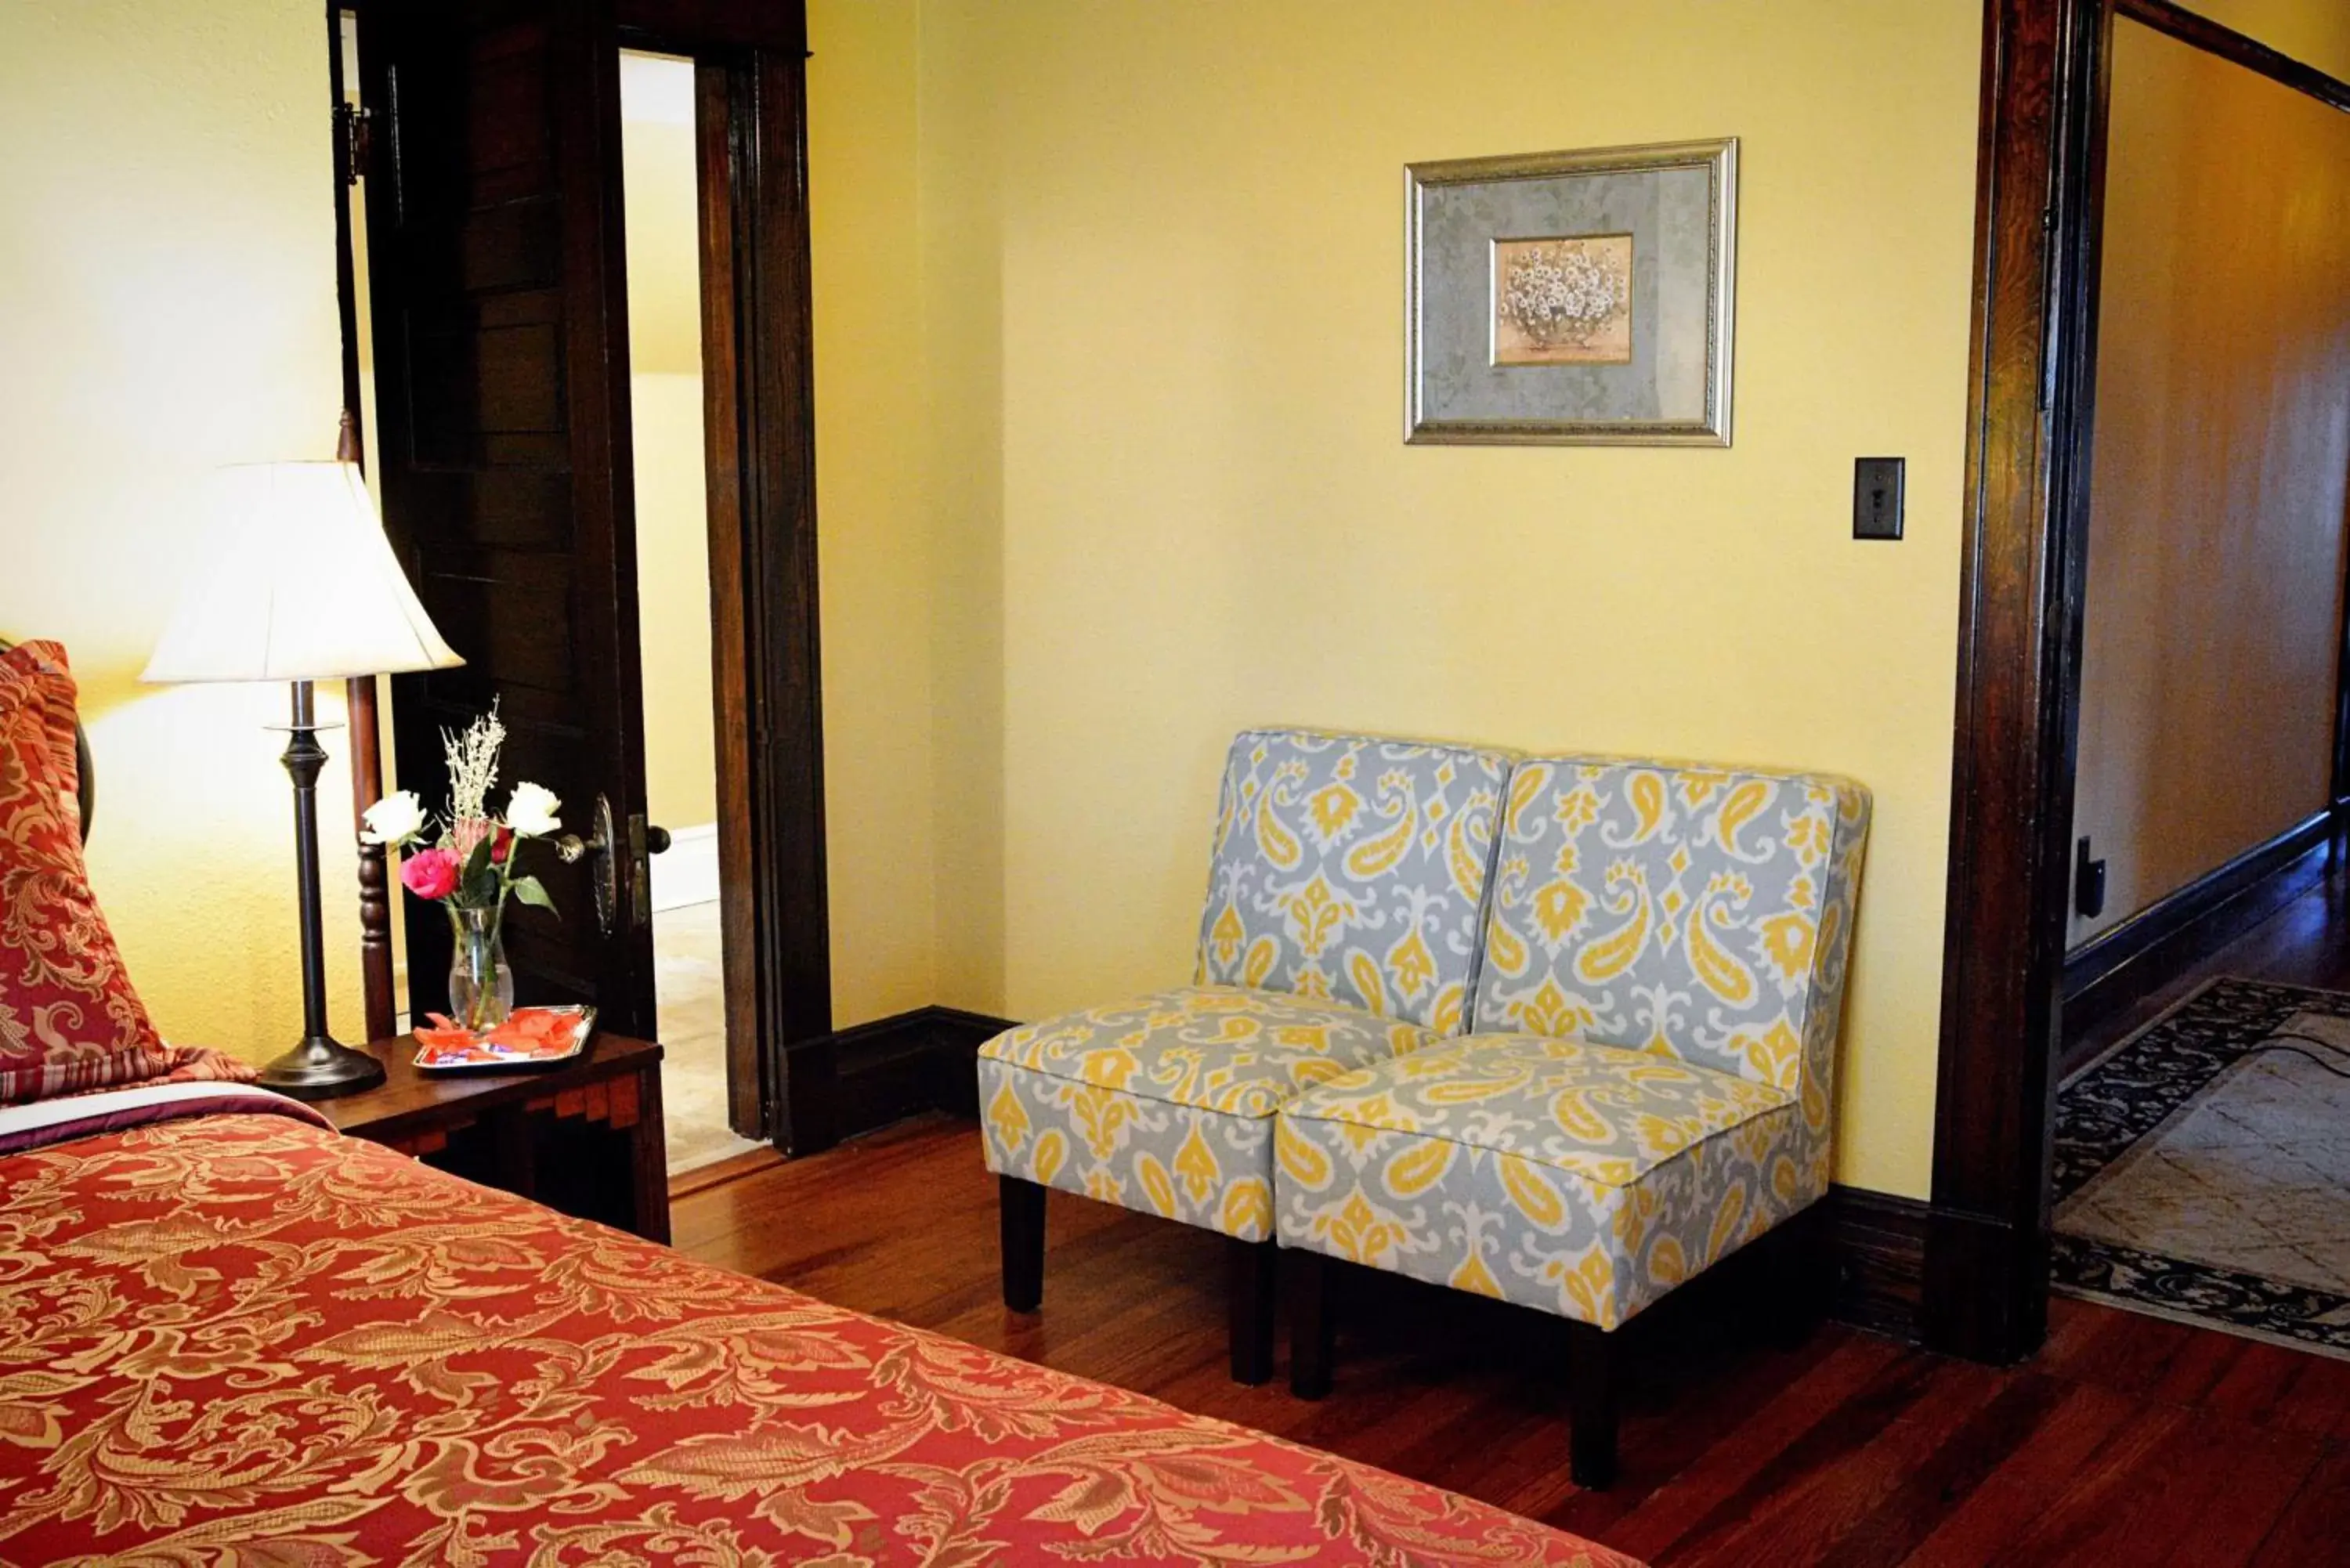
{"x": 238, "y": 1339}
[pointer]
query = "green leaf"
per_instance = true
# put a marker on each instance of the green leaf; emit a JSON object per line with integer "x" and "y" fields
{"x": 529, "y": 891}
{"x": 477, "y": 884}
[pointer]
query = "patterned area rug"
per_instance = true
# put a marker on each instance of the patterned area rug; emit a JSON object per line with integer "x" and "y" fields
{"x": 2203, "y": 1168}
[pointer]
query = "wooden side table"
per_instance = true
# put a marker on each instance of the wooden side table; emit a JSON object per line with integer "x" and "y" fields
{"x": 585, "y": 1138}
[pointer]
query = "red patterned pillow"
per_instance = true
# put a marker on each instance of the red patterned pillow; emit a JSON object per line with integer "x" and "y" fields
{"x": 70, "y": 1021}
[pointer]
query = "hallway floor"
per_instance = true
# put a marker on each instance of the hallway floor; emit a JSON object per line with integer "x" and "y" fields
{"x": 2297, "y": 933}
{"x": 692, "y": 987}
{"x": 2201, "y": 1159}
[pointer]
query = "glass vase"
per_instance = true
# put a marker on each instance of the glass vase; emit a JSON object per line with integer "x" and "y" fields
{"x": 481, "y": 987}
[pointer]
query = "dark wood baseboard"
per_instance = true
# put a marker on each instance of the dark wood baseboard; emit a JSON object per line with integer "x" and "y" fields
{"x": 868, "y": 1076}
{"x": 2121, "y": 965}
{"x": 951, "y": 1059}
{"x": 1877, "y": 1241}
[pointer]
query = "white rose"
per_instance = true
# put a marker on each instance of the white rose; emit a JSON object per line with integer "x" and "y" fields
{"x": 530, "y": 810}
{"x": 393, "y": 820}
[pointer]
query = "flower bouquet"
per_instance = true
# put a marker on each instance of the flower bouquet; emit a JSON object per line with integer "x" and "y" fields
{"x": 469, "y": 868}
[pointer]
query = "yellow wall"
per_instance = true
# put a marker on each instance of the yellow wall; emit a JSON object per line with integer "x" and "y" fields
{"x": 171, "y": 308}
{"x": 1109, "y": 352}
{"x": 1162, "y": 294}
{"x": 2222, "y": 447}
{"x": 663, "y": 232}
{"x": 876, "y": 569}
{"x": 167, "y": 300}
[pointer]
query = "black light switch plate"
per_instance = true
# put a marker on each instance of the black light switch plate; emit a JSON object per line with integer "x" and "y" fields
{"x": 2088, "y": 883}
{"x": 1877, "y": 498}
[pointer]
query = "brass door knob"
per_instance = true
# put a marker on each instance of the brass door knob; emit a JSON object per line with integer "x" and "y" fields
{"x": 603, "y": 874}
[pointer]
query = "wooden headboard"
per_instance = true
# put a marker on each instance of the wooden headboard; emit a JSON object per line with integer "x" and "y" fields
{"x": 86, "y": 785}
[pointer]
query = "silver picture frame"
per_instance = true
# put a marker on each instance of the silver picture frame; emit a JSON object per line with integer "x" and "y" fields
{"x": 1662, "y": 377}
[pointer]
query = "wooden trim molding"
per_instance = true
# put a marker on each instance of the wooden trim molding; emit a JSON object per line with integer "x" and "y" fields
{"x": 759, "y": 430}
{"x": 717, "y": 1173}
{"x": 853, "y": 1080}
{"x": 752, "y": 1078}
{"x": 2031, "y": 384}
{"x": 2339, "y": 785}
{"x": 695, "y": 26}
{"x": 2201, "y": 32}
{"x": 1877, "y": 1241}
{"x": 2126, "y": 962}
{"x": 776, "y": 352}
{"x": 2031, "y": 381}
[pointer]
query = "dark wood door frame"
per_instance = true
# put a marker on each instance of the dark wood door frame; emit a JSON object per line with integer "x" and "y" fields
{"x": 760, "y": 445}
{"x": 2032, "y": 378}
{"x": 504, "y": 422}
{"x": 2124, "y": 962}
{"x": 2165, "y": 16}
{"x": 759, "y": 435}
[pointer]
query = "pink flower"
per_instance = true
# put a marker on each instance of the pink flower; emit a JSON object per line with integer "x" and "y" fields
{"x": 429, "y": 873}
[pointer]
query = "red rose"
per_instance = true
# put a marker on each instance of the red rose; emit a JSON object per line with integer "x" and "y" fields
{"x": 500, "y": 847}
{"x": 429, "y": 873}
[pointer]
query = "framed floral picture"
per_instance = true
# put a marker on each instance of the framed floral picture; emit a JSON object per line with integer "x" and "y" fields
{"x": 1572, "y": 297}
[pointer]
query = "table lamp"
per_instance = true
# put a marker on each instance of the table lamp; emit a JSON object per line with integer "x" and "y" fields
{"x": 298, "y": 584}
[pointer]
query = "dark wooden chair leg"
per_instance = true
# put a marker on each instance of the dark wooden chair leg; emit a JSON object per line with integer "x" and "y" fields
{"x": 1591, "y": 1401}
{"x": 1255, "y": 1273}
{"x": 1312, "y": 1329}
{"x": 1023, "y": 1242}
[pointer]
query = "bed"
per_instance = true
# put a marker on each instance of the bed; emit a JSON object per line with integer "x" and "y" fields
{"x": 228, "y": 1335}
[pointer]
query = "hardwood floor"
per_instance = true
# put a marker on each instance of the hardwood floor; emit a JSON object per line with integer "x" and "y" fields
{"x": 2128, "y": 1440}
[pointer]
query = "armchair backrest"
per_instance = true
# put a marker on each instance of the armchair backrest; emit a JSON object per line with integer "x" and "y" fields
{"x": 1701, "y": 912}
{"x": 1353, "y": 869}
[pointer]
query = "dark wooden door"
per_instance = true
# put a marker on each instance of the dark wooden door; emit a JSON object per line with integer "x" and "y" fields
{"x": 494, "y": 253}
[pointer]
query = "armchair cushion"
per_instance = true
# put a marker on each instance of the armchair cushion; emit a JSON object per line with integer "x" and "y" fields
{"x": 1585, "y": 1180}
{"x": 1165, "y": 1104}
{"x": 1352, "y": 870}
{"x": 1701, "y": 913}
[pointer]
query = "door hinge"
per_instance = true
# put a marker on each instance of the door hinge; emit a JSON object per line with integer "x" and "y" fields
{"x": 354, "y": 140}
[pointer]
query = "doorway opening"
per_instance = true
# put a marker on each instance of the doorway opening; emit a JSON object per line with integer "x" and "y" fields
{"x": 2044, "y": 410}
{"x": 2202, "y": 1163}
{"x": 623, "y": 554}
{"x": 662, "y": 223}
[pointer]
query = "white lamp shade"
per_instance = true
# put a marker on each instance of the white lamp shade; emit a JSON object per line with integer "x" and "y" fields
{"x": 297, "y": 583}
